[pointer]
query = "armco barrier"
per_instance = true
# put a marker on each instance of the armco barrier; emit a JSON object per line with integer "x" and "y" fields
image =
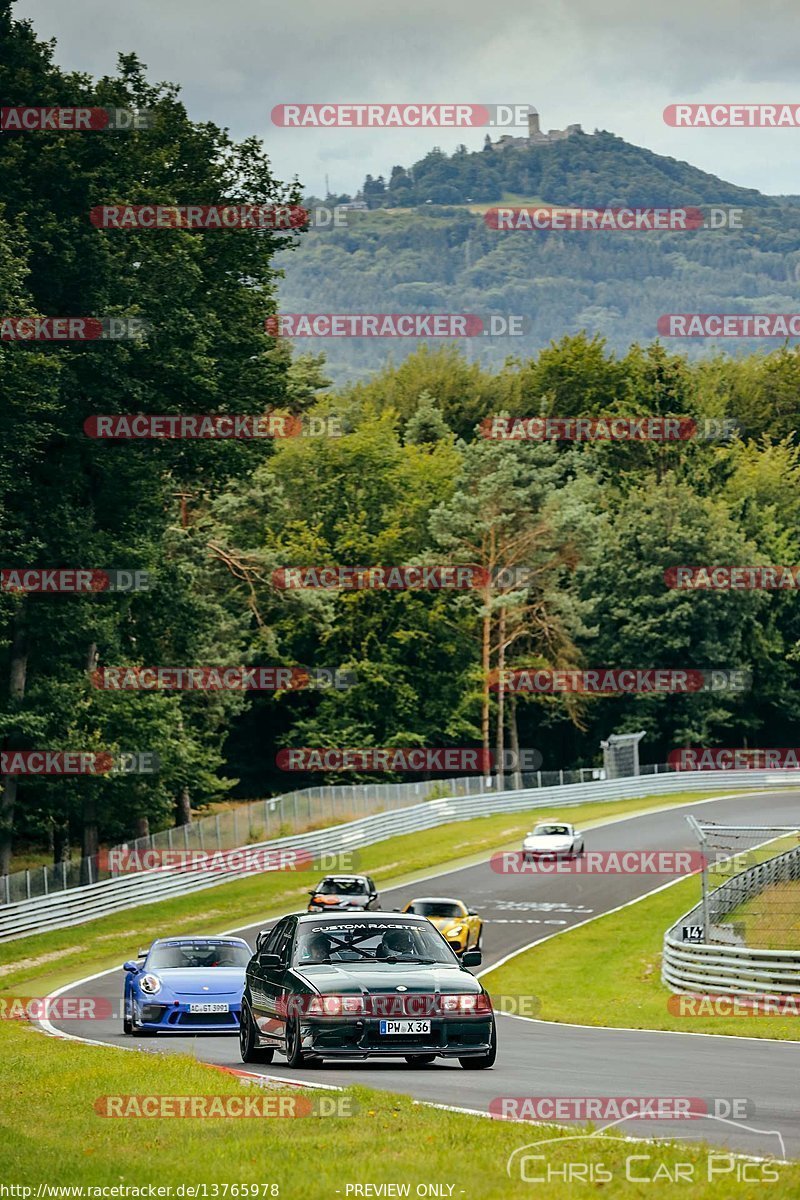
{"x": 714, "y": 967}
{"x": 81, "y": 904}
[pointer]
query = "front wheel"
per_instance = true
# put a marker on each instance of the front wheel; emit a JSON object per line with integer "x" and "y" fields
{"x": 479, "y": 1062}
{"x": 250, "y": 1051}
{"x": 127, "y": 1023}
{"x": 294, "y": 1053}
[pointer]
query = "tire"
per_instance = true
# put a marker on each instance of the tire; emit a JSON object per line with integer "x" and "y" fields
{"x": 250, "y": 1052}
{"x": 479, "y": 944}
{"x": 294, "y": 1054}
{"x": 480, "y": 1062}
{"x": 136, "y": 1029}
{"x": 419, "y": 1060}
{"x": 127, "y": 1023}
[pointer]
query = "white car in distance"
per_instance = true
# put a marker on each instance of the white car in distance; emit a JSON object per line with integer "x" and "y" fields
{"x": 552, "y": 839}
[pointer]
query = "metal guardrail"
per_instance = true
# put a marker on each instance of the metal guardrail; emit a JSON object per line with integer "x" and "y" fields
{"x": 274, "y": 817}
{"x": 710, "y": 967}
{"x": 86, "y": 903}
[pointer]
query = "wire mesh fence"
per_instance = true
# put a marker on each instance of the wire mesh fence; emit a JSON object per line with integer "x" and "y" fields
{"x": 750, "y": 888}
{"x": 274, "y": 817}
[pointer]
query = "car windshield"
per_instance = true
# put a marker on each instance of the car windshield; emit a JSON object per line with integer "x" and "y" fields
{"x": 551, "y": 831}
{"x": 342, "y": 887}
{"x": 435, "y": 908}
{"x": 376, "y": 941}
{"x": 198, "y": 954}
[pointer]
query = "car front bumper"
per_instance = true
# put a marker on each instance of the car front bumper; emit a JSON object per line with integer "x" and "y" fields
{"x": 448, "y": 1038}
{"x": 168, "y": 1017}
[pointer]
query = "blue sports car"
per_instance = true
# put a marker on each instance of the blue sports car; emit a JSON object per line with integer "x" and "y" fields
{"x": 186, "y": 985}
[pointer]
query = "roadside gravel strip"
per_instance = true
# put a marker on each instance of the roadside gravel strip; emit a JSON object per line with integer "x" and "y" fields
{"x": 539, "y": 1058}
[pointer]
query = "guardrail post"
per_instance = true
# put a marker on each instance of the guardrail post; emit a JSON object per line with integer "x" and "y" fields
{"x": 216, "y": 826}
{"x": 200, "y": 825}
{"x": 8, "y": 890}
{"x": 64, "y": 874}
{"x": 186, "y": 837}
{"x": 560, "y": 780}
{"x": 28, "y": 884}
{"x": 169, "y": 837}
{"x": 89, "y": 869}
{"x": 44, "y": 879}
{"x": 236, "y": 825}
{"x": 538, "y": 778}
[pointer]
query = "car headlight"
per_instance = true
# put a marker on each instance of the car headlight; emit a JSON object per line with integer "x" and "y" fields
{"x": 151, "y": 984}
{"x": 455, "y": 932}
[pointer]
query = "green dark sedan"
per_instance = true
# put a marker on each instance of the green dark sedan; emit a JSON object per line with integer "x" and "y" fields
{"x": 363, "y": 985}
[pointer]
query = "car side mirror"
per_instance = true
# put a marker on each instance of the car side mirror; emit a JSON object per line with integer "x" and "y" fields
{"x": 130, "y": 966}
{"x": 143, "y": 954}
{"x": 269, "y": 960}
{"x": 471, "y": 958}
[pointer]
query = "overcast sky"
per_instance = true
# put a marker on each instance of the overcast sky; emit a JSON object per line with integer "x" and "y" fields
{"x": 612, "y": 65}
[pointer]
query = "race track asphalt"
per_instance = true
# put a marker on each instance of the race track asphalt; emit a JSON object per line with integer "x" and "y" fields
{"x": 540, "y": 1058}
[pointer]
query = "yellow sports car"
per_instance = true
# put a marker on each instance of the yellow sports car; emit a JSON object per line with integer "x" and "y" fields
{"x": 461, "y": 926}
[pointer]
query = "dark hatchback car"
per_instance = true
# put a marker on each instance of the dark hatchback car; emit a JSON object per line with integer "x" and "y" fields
{"x": 363, "y": 985}
{"x": 337, "y": 892}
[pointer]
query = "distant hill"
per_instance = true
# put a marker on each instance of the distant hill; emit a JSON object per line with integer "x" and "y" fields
{"x": 424, "y": 246}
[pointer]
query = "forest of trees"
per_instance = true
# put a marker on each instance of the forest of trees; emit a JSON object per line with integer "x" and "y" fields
{"x": 410, "y": 479}
{"x": 424, "y": 248}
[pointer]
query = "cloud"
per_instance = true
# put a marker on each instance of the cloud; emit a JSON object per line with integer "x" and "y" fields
{"x": 612, "y": 66}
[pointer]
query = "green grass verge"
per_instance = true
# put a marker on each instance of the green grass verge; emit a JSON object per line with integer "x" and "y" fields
{"x": 47, "y": 960}
{"x": 771, "y": 921}
{"x": 608, "y": 972}
{"x": 53, "y": 1134}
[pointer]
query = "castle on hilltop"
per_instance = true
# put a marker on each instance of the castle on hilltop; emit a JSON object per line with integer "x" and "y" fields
{"x": 536, "y": 137}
